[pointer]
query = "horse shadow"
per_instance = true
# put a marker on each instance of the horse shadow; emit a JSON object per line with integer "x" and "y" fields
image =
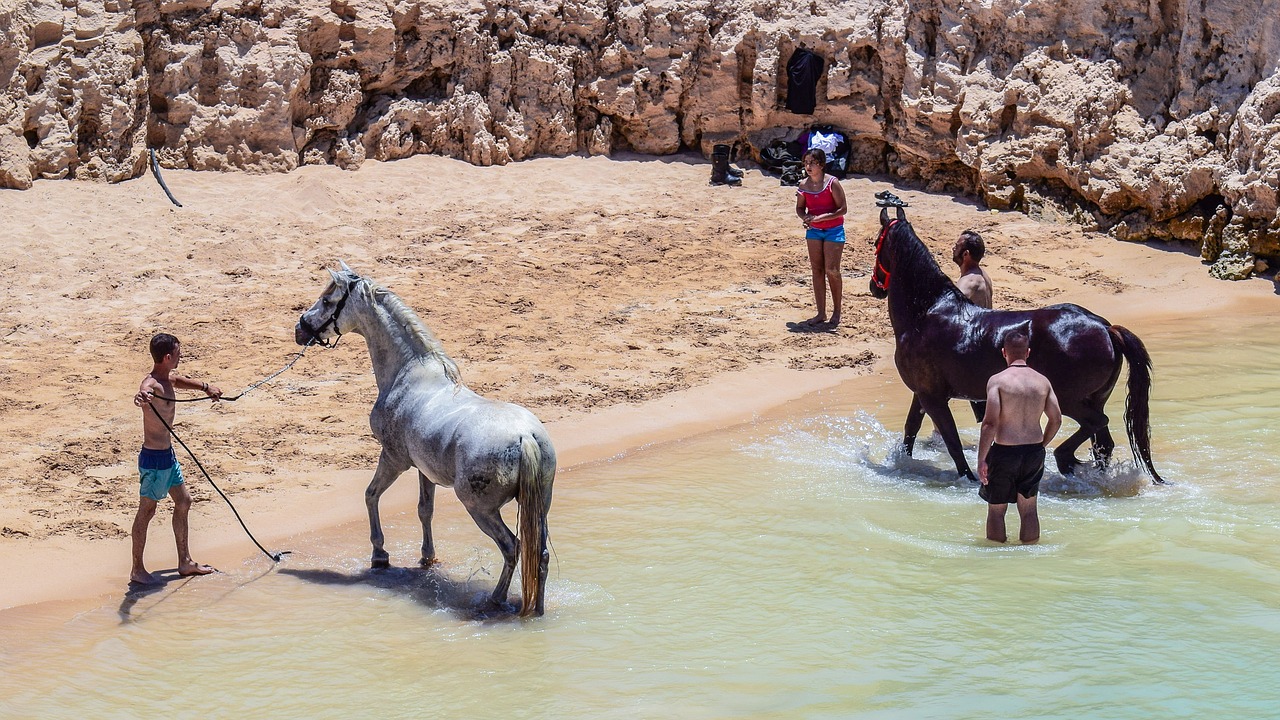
{"x": 429, "y": 587}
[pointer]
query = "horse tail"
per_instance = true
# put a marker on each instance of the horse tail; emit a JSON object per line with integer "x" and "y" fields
{"x": 532, "y": 499}
{"x": 1137, "y": 412}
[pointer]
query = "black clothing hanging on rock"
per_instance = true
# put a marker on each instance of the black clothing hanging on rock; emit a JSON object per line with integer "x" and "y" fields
{"x": 803, "y": 70}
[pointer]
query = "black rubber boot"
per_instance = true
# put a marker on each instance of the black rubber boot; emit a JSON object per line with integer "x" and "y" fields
{"x": 728, "y": 152}
{"x": 720, "y": 171}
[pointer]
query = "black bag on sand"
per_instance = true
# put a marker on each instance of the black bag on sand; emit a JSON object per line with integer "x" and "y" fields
{"x": 792, "y": 175}
{"x": 777, "y": 155}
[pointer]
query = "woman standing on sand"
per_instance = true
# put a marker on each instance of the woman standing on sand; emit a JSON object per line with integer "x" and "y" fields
{"x": 821, "y": 206}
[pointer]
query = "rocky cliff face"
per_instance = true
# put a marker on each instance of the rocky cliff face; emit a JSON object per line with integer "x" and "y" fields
{"x": 1155, "y": 119}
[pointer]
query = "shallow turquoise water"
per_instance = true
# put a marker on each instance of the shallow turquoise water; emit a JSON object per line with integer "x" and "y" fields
{"x": 793, "y": 568}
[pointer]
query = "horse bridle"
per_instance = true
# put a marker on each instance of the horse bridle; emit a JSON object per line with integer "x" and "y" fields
{"x": 880, "y": 275}
{"x": 333, "y": 320}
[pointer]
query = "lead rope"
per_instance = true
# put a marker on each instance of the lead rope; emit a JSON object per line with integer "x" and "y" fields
{"x": 296, "y": 357}
{"x": 276, "y": 557}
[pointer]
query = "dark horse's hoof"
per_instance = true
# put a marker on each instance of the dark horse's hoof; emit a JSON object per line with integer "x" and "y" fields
{"x": 380, "y": 563}
{"x": 1066, "y": 464}
{"x": 968, "y": 474}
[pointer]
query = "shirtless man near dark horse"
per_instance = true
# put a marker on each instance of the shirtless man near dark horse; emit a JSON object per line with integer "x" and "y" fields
{"x": 1012, "y": 445}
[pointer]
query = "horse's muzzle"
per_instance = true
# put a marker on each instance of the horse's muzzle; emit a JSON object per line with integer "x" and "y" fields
{"x": 301, "y": 335}
{"x": 878, "y": 292}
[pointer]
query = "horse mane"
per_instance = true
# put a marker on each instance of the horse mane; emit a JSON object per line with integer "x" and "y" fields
{"x": 418, "y": 330}
{"x": 925, "y": 270}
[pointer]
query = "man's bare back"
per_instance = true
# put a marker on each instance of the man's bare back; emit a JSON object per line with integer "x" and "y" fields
{"x": 976, "y": 285}
{"x": 1018, "y": 396}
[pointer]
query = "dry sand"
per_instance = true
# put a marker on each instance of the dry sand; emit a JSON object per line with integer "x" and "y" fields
{"x": 623, "y": 300}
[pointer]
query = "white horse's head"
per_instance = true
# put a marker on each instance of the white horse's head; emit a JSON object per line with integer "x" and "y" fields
{"x": 324, "y": 321}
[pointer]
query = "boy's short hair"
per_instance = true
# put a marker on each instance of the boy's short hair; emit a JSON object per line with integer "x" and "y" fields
{"x": 972, "y": 241}
{"x": 162, "y": 344}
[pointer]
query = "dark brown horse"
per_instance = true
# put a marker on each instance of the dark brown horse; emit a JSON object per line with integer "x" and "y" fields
{"x": 947, "y": 347}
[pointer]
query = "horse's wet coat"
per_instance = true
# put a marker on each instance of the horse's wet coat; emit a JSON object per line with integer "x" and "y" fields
{"x": 947, "y": 347}
{"x": 489, "y": 452}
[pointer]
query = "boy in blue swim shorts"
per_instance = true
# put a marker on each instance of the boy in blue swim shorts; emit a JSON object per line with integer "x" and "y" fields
{"x": 158, "y": 469}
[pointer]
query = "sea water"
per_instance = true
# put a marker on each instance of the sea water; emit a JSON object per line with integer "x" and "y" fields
{"x": 795, "y": 567}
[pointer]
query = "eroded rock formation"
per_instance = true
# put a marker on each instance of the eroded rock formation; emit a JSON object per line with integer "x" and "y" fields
{"x": 1154, "y": 119}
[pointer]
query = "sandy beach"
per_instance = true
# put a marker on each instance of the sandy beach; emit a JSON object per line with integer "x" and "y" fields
{"x": 623, "y": 300}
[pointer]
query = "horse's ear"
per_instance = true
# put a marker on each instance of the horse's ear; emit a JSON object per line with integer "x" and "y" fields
{"x": 344, "y": 267}
{"x": 337, "y": 279}
{"x": 884, "y": 216}
{"x": 902, "y": 215}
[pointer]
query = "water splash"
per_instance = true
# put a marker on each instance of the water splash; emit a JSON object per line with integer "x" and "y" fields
{"x": 860, "y": 448}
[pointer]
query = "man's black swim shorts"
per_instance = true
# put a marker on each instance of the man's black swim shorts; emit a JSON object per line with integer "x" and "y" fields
{"x": 1012, "y": 470}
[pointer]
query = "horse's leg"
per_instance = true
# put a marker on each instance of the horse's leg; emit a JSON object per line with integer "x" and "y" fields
{"x": 1091, "y": 422}
{"x": 489, "y": 520}
{"x": 386, "y": 474}
{"x": 945, "y": 423}
{"x": 915, "y": 417}
{"x": 1102, "y": 447}
{"x": 426, "y": 508}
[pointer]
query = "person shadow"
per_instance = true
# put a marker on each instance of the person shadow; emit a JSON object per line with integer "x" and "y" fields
{"x": 136, "y": 592}
{"x": 428, "y": 587}
{"x": 133, "y": 608}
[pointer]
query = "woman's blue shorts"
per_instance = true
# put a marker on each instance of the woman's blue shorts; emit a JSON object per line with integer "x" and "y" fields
{"x": 835, "y": 234}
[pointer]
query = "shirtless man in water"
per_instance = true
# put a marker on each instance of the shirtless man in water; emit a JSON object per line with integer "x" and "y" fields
{"x": 1012, "y": 446}
{"x": 158, "y": 467}
{"x": 974, "y": 283}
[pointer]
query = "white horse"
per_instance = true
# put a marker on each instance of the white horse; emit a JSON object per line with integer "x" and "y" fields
{"x": 489, "y": 452}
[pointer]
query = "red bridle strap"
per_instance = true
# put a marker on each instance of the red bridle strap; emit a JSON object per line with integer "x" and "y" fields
{"x": 880, "y": 276}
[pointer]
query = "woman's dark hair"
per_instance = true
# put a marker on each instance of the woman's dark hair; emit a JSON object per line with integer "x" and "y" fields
{"x": 815, "y": 153}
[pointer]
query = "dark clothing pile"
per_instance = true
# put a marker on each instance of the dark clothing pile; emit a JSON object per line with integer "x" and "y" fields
{"x": 783, "y": 158}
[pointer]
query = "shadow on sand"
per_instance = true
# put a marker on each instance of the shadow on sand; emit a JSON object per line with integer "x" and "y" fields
{"x": 428, "y": 587}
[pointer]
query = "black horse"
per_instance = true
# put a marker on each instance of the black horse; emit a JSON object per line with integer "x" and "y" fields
{"x": 947, "y": 347}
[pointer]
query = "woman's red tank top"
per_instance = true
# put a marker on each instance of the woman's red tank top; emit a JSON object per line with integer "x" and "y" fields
{"x": 821, "y": 202}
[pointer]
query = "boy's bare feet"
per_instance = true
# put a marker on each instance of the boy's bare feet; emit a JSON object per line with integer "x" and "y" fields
{"x": 196, "y": 569}
{"x": 142, "y": 577}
